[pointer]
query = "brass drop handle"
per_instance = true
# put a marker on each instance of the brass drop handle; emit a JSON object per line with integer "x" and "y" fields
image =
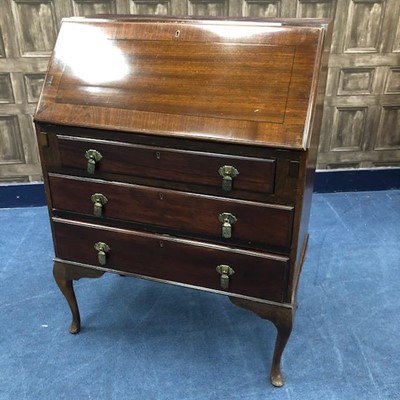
{"x": 227, "y": 220}
{"x": 93, "y": 157}
{"x": 228, "y": 173}
{"x": 225, "y": 271}
{"x": 99, "y": 201}
{"x": 102, "y": 250}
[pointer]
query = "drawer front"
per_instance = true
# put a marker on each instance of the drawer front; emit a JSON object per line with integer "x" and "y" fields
{"x": 188, "y": 167}
{"x": 231, "y": 220}
{"x": 256, "y": 275}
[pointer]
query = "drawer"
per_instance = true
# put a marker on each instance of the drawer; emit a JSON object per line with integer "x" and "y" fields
{"x": 249, "y": 223}
{"x": 188, "y": 167}
{"x": 257, "y": 275}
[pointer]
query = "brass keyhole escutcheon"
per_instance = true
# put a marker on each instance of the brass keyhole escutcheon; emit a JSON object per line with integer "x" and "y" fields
{"x": 99, "y": 201}
{"x": 228, "y": 173}
{"x": 102, "y": 250}
{"x": 225, "y": 271}
{"x": 93, "y": 157}
{"x": 227, "y": 219}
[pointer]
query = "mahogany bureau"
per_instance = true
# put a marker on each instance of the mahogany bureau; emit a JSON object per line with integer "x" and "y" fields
{"x": 183, "y": 151}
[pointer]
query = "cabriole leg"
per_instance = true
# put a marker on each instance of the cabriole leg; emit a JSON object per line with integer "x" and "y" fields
{"x": 64, "y": 276}
{"x": 65, "y": 284}
{"x": 282, "y": 317}
{"x": 284, "y": 329}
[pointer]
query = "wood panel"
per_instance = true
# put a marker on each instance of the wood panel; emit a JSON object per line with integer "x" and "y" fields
{"x": 28, "y": 30}
{"x": 2, "y": 51}
{"x": 393, "y": 81}
{"x": 92, "y": 7}
{"x": 365, "y": 19}
{"x": 6, "y": 91}
{"x": 388, "y": 135}
{"x": 31, "y": 17}
{"x": 315, "y": 9}
{"x": 11, "y": 145}
{"x": 262, "y": 8}
{"x": 348, "y": 128}
{"x": 355, "y": 81}
{"x": 213, "y": 8}
{"x": 153, "y": 7}
{"x": 361, "y": 126}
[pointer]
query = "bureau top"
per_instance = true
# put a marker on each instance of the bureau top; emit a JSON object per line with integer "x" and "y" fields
{"x": 244, "y": 81}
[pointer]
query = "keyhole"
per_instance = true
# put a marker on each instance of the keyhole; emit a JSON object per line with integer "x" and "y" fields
{"x": 158, "y": 155}
{"x": 177, "y": 33}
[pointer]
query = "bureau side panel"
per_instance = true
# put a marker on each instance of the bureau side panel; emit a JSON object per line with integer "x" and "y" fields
{"x": 307, "y": 170}
{"x": 49, "y": 156}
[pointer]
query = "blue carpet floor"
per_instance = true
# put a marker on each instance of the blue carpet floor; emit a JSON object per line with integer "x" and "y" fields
{"x": 144, "y": 340}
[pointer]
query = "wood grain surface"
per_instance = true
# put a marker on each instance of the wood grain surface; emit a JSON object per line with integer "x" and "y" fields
{"x": 248, "y": 82}
{"x": 187, "y": 213}
{"x": 176, "y": 165}
{"x": 257, "y": 275}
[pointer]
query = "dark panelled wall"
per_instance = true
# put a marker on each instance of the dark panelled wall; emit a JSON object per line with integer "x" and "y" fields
{"x": 361, "y": 126}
